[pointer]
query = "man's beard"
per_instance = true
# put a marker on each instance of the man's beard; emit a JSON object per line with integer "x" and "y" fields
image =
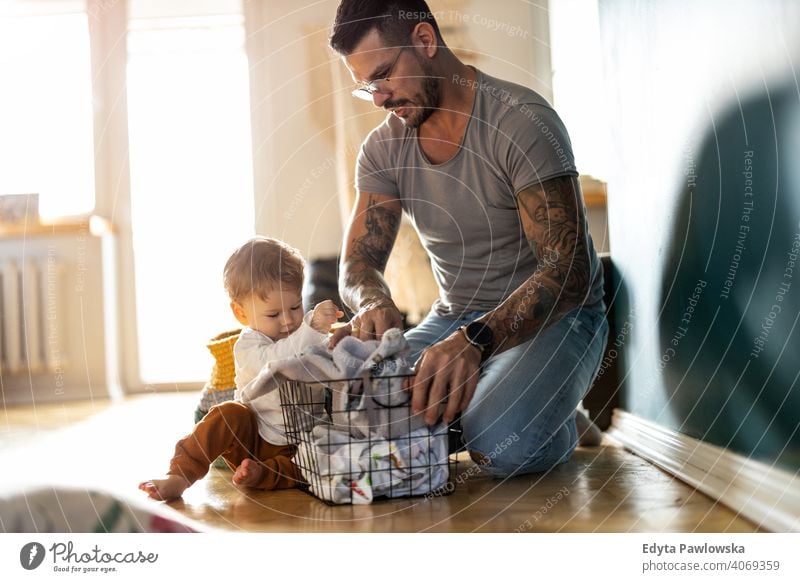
{"x": 424, "y": 103}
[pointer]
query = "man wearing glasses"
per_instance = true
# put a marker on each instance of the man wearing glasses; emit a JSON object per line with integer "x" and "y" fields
{"x": 484, "y": 169}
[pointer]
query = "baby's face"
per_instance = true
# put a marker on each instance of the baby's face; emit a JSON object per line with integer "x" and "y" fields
{"x": 279, "y": 314}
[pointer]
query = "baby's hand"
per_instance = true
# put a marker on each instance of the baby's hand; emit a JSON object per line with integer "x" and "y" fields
{"x": 324, "y": 315}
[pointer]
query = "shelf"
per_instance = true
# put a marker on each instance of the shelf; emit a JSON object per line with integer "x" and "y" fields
{"x": 594, "y": 192}
{"x": 89, "y": 225}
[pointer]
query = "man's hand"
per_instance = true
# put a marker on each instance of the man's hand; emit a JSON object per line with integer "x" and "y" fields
{"x": 450, "y": 370}
{"x": 370, "y": 322}
{"x": 324, "y": 315}
{"x": 374, "y": 318}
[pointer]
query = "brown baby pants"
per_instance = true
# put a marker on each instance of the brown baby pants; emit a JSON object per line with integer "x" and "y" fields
{"x": 230, "y": 430}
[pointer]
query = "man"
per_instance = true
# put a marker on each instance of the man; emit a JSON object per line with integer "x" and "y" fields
{"x": 484, "y": 169}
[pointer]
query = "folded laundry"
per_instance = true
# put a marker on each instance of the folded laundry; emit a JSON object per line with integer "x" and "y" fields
{"x": 351, "y": 358}
{"x": 374, "y": 405}
{"x": 347, "y": 370}
{"x": 350, "y": 417}
{"x": 341, "y": 469}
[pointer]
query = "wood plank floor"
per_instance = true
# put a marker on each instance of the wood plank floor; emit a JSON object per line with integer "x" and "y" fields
{"x": 114, "y": 446}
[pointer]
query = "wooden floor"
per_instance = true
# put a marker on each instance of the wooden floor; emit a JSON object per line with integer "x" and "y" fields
{"x": 114, "y": 446}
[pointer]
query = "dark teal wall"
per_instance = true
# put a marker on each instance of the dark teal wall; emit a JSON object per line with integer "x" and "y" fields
{"x": 704, "y": 216}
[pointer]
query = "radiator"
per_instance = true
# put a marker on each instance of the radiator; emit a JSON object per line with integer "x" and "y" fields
{"x": 31, "y": 327}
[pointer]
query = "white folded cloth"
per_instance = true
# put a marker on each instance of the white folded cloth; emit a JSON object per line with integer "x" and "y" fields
{"x": 341, "y": 469}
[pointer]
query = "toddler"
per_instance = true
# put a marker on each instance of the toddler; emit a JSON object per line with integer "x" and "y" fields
{"x": 264, "y": 279}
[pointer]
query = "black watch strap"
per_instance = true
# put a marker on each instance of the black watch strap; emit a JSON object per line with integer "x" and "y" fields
{"x": 480, "y": 336}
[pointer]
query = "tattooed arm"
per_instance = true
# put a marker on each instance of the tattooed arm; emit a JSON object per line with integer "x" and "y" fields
{"x": 369, "y": 239}
{"x": 553, "y": 219}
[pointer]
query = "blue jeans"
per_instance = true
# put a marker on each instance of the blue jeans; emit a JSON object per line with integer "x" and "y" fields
{"x": 522, "y": 416}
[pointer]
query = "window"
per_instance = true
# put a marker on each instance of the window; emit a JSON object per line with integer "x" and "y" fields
{"x": 578, "y": 81}
{"x": 191, "y": 178}
{"x": 46, "y": 136}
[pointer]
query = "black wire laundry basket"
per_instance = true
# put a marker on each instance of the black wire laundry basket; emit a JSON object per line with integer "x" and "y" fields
{"x": 357, "y": 441}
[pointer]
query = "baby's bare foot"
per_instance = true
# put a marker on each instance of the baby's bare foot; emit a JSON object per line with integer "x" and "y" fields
{"x": 165, "y": 489}
{"x": 250, "y": 473}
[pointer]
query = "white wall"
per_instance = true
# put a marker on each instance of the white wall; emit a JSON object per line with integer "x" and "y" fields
{"x": 294, "y": 159}
{"x": 509, "y": 39}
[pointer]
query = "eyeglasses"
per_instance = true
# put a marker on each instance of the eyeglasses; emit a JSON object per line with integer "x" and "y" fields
{"x": 365, "y": 90}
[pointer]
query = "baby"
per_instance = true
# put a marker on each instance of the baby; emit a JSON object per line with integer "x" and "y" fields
{"x": 264, "y": 279}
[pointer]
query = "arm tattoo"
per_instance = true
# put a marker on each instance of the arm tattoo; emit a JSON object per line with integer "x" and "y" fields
{"x": 361, "y": 278}
{"x": 553, "y": 218}
{"x": 376, "y": 245}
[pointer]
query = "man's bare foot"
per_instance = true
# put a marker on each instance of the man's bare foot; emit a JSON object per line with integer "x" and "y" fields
{"x": 250, "y": 473}
{"x": 165, "y": 489}
{"x": 589, "y": 434}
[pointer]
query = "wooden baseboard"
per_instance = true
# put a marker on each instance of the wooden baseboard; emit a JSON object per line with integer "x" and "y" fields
{"x": 767, "y": 495}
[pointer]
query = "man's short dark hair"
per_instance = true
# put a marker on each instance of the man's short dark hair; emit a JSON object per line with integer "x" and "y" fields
{"x": 393, "y": 19}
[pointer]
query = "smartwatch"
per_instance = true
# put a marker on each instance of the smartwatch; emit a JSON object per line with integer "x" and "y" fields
{"x": 479, "y": 335}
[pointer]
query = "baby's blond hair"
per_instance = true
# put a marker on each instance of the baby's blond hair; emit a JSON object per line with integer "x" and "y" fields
{"x": 262, "y": 265}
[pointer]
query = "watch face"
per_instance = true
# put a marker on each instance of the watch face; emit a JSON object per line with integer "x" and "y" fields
{"x": 479, "y": 334}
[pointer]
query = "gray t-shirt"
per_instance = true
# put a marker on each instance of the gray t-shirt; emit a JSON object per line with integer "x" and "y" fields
{"x": 465, "y": 209}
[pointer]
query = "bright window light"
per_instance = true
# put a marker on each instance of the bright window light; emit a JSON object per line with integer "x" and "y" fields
{"x": 191, "y": 183}
{"x": 578, "y": 81}
{"x": 46, "y": 140}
